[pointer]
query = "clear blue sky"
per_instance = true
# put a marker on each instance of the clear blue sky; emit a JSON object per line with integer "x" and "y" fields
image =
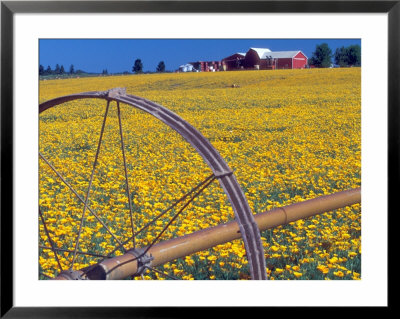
{"x": 118, "y": 55}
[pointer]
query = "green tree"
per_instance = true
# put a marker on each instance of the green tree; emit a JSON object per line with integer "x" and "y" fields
{"x": 57, "y": 69}
{"x": 62, "y": 70}
{"x": 105, "y": 72}
{"x": 71, "y": 69}
{"x": 348, "y": 56}
{"x": 48, "y": 70}
{"x": 161, "y": 67}
{"x": 354, "y": 55}
{"x": 41, "y": 69}
{"x": 322, "y": 57}
{"x": 138, "y": 66}
{"x": 341, "y": 57}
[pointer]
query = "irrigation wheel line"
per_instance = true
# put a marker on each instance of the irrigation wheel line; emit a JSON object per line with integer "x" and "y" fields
{"x": 248, "y": 228}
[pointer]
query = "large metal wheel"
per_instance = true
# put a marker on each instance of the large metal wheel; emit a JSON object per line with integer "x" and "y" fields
{"x": 220, "y": 171}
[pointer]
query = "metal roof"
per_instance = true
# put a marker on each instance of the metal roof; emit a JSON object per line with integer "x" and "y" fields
{"x": 280, "y": 54}
{"x": 264, "y": 53}
{"x": 261, "y": 51}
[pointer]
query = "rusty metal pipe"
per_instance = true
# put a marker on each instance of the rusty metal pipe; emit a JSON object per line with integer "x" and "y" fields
{"x": 121, "y": 267}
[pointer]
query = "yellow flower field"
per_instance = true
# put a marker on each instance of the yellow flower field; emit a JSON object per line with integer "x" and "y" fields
{"x": 288, "y": 135}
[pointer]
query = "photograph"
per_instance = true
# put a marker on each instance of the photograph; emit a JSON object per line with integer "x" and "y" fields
{"x": 180, "y": 156}
{"x": 199, "y": 159}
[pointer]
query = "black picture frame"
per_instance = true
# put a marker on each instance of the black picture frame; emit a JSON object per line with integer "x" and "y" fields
{"x": 9, "y": 8}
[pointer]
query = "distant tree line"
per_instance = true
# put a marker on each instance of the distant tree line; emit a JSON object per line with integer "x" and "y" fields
{"x": 58, "y": 70}
{"x": 343, "y": 57}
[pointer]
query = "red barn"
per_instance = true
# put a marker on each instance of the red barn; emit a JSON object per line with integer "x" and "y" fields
{"x": 265, "y": 59}
{"x": 233, "y": 62}
{"x": 290, "y": 59}
{"x": 256, "y": 59}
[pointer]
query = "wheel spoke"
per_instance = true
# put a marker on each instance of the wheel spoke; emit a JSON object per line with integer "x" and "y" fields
{"x": 50, "y": 240}
{"x": 90, "y": 184}
{"x": 82, "y": 201}
{"x": 126, "y": 174}
{"x": 175, "y": 204}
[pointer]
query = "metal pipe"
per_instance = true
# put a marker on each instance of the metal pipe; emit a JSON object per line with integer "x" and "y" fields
{"x": 121, "y": 267}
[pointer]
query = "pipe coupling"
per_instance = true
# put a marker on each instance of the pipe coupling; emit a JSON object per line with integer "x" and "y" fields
{"x": 143, "y": 260}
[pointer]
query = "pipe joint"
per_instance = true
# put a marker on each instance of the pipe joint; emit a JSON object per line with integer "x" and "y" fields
{"x": 143, "y": 260}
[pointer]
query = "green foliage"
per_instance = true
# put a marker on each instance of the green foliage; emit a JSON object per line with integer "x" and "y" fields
{"x": 354, "y": 55}
{"x": 322, "y": 57}
{"x": 341, "y": 57}
{"x": 59, "y": 70}
{"x": 50, "y": 75}
{"x": 161, "y": 67}
{"x": 350, "y": 56}
{"x": 138, "y": 66}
